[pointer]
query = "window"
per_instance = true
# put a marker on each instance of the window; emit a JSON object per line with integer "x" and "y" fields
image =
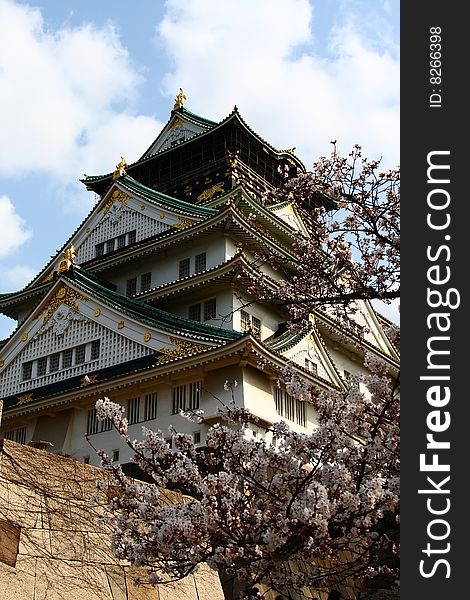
{"x": 197, "y": 437}
{"x": 195, "y": 312}
{"x": 86, "y": 460}
{"x": 54, "y": 361}
{"x": 93, "y": 425}
{"x": 289, "y": 407}
{"x": 210, "y": 309}
{"x": 99, "y": 250}
{"x": 169, "y": 441}
{"x": 131, "y": 237}
{"x": 95, "y": 349}
{"x": 184, "y": 267}
{"x": 80, "y": 354}
{"x": 131, "y": 286}
{"x": 186, "y": 397}
{"x": 194, "y": 391}
{"x": 347, "y": 375}
{"x": 109, "y": 245}
{"x": 145, "y": 282}
{"x": 256, "y": 323}
{"x": 121, "y": 241}
{"x": 96, "y": 426}
{"x": 16, "y": 435}
{"x": 311, "y": 366}
{"x": 67, "y": 358}
{"x": 150, "y": 407}
{"x": 27, "y": 370}
{"x": 179, "y": 399}
{"x": 200, "y": 262}
{"x": 244, "y": 320}
{"x": 133, "y": 410}
{"x": 42, "y": 366}
{"x": 115, "y": 455}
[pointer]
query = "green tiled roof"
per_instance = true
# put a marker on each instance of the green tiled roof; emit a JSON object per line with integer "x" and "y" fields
{"x": 286, "y": 340}
{"x": 174, "y": 204}
{"x": 148, "y": 314}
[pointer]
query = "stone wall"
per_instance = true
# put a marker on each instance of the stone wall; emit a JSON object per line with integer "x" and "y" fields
{"x": 51, "y": 547}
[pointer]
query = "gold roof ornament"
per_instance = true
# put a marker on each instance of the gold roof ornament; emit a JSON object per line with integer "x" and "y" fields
{"x": 179, "y": 100}
{"x": 69, "y": 259}
{"x": 120, "y": 169}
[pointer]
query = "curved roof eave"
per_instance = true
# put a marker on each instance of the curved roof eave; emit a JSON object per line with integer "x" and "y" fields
{"x": 232, "y": 116}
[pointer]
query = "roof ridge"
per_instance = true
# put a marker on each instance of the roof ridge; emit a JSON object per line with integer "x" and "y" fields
{"x": 138, "y": 309}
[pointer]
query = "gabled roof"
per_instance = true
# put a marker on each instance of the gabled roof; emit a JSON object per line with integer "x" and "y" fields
{"x": 179, "y": 117}
{"x": 181, "y": 210}
{"x": 207, "y": 128}
{"x": 145, "y": 313}
{"x": 164, "y": 200}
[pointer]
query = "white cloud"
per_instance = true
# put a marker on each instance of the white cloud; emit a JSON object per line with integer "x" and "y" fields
{"x": 60, "y": 92}
{"x": 260, "y": 56}
{"x": 17, "y": 277}
{"x": 13, "y": 232}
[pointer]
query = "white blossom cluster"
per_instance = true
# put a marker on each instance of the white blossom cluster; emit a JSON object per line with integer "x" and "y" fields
{"x": 249, "y": 506}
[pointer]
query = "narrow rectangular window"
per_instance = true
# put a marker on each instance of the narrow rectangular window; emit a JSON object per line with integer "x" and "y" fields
{"x": 194, "y": 312}
{"x": 42, "y": 366}
{"x": 311, "y": 366}
{"x": 197, "y": 437}
{"x": 184, "y": 268}
{"x": 290, "y": 406}
{"x": 244, "y": 320}
{"x": 194, "y": 392}
{"x": 301, "y": 417}
{"x": 347, "y": 375}
{"x": 20, "y": 435}
{"x": 115, "y": 455}
{"x": 67, "y": 358}
{"x": 150, "y": 407}
{"x": 95, "y": 349}
{"x": 106, "y": 425}
{"x": 133, "y": 410}
{"x": 27, "y": 370}
{"x": 54, "y": 361}
{"x": 93, "y": 425}
{"x": 278, "y": 401}
{"x": 99, "y": 250}
{"x": 131, "y": 237}
{"x": 80, "y": 354}
{"x": 200, "y": 262}
{"x": 131, "y": 287}
{"x": 121, "y": 241}
{"x": 109, "y": 246}
{"x": 179, "y": 399}
{"x": 210, "y": 309}
{"x": 145, "y": 282}
{"x": 256, "y": 324}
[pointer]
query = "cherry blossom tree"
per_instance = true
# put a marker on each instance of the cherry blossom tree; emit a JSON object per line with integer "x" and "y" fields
{"x": 250, "y": 507}
{"x": 352, "y": 208}
{"x": 323, "y": 501}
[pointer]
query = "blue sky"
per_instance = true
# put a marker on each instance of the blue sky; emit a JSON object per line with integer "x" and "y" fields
{"x": 83, "y": 83}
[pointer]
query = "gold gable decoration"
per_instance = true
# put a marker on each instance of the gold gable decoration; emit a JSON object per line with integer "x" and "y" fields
{"x": 64, "y": 295}
{"x": 183, "y": 222}
{"x": 116, "y": 196}
{"x": 183, "y": 348}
